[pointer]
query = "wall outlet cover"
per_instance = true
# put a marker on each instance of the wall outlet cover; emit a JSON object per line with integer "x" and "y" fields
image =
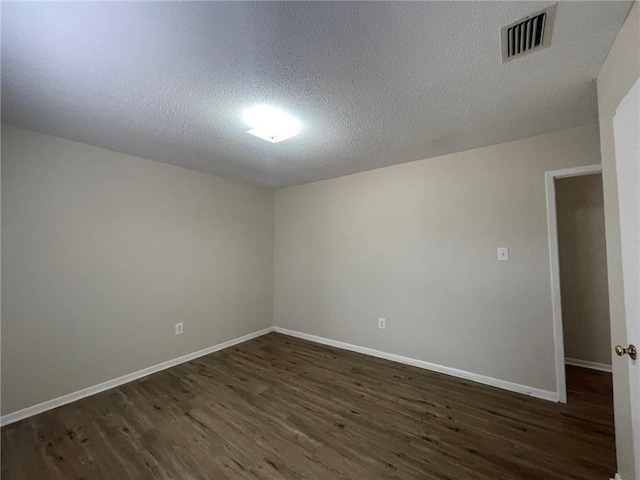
{"x": 503, "y": 254}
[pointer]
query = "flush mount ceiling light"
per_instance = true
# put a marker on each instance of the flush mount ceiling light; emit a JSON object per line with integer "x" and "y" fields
{"x": 270, "y": 123}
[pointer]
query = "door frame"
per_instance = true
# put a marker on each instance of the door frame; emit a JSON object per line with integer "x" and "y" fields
{"x": 554, "y": 263}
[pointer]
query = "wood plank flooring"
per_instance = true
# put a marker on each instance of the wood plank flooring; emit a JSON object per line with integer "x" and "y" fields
{"x": 282, "y": 408}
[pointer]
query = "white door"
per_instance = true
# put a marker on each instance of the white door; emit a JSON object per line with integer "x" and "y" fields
{"x": 626, "y": 130}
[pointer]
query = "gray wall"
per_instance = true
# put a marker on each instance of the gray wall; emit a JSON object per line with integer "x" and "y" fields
{"x": 583, "y": 269}
{"x": 103, "y": 253}
{"x": 416, "y": 243}
{"x": 619, "y": 73}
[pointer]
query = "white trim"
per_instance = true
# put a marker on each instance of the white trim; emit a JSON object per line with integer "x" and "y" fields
{"x": 554, "y": 263}
{"x": 603, "y": 367}
{"x": 575, "y": 171}
{"x": 494, "y": 382}
{"x": 101, "y": 387}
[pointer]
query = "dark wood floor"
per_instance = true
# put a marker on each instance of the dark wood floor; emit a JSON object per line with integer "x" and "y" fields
{"x": 282, "y": 408}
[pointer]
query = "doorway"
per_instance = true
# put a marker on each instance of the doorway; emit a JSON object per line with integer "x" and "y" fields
{"x": 580, "y": 295}
{"x": 577, "y": 257}
{"x": 584, "y": 290}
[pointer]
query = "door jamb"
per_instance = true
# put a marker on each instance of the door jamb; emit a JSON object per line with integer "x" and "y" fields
{"x": 554, "y": 261}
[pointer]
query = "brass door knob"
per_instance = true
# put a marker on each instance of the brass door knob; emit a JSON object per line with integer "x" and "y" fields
{"x": 630, "y": 350}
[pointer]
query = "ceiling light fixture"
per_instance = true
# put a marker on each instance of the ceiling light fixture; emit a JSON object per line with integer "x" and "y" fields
{"x": 270, "y": 123}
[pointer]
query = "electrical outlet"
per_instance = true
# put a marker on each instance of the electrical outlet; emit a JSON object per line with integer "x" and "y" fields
{"x": 382, "y": 323}
{"x": 179, "y": 328}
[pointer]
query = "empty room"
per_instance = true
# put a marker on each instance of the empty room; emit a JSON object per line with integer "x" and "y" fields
{"x": 320, "y": 240}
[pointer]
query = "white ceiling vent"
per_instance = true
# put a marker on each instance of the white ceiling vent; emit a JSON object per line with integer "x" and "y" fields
{"x": 528, "y": 34}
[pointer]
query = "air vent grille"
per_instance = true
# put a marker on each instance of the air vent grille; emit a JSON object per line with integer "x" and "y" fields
{"x": 528, "y": 34}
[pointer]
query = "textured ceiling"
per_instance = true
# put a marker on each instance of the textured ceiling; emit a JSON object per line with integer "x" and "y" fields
{"x": 374, "y": 83}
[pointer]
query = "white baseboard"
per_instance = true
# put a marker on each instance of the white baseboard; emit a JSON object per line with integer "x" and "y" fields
{"x": 494, "y": 382}
{"x": 603, "y": 367}
{"x": 101, "y": 387}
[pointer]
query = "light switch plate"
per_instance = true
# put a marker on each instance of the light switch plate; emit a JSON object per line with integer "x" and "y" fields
{"x": 503, "y": 254}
